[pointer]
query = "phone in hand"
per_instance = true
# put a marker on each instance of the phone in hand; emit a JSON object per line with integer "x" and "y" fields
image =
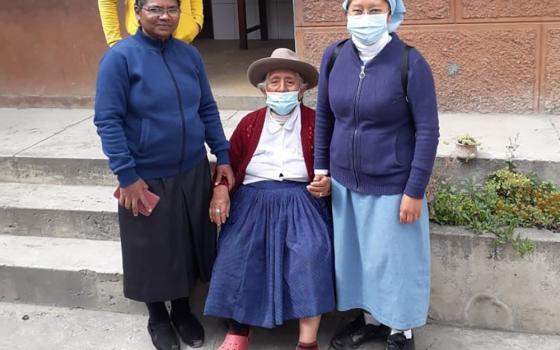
{"x": 152, "y": 198}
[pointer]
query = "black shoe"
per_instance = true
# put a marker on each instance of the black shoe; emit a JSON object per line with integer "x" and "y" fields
{"x": 163, "y": 336}
{"x": 189, "y": 329}
{"x": 357, "y": 333}
{"x": 398, "y": 341}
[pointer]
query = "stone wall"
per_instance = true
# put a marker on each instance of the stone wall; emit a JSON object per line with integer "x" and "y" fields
{"x": 487, "y": 55}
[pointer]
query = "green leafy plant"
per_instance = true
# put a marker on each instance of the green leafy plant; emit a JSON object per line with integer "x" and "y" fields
{"x": 506, "y": 200}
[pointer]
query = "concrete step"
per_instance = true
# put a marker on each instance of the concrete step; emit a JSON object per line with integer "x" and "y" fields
{"x": 58, "y": 171}
{"x": 60, "y": 146}
{"x": 58, "y": 211}
{"x": 24, "y": 327}
{"x": 473, "y": 284}
{"x": 67, "y": 152}
{"x": 63, "y": 272}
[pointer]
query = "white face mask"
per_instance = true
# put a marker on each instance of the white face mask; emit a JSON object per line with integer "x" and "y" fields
{"x": 282, "y": 103}
{"x": 367, "y": 29}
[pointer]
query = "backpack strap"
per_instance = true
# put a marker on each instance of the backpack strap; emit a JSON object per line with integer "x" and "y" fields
{"x": 404, "y": 70}
{"x": 404, "y": 64}
{"x": 334, "y": 55}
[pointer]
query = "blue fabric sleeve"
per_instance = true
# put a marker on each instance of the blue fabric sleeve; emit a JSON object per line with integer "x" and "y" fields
{"x": 210, "y": 116}
{"x": 110, "y": 108}
{"x": 423, "y": 104}
{"x": 324, "y": 117}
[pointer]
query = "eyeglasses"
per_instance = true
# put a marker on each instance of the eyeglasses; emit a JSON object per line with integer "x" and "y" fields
{"x": 160, "y": 11}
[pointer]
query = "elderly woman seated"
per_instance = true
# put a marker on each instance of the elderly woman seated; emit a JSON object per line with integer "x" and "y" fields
{"x": 275, "y": 259}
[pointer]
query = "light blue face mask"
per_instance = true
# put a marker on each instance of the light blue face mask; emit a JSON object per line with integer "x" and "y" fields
{"x": 367, "y": 29}
{"x": 282, "y": 103}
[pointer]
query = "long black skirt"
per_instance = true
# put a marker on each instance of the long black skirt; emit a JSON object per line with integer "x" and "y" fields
{"x": 166, "y": 253}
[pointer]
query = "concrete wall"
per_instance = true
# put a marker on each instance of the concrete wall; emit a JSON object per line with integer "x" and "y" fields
{"x": 51, "y": 48}
{"x": 476, "y": 285}
{"x": 487, "y": 55}
{"x": 50, "y": 52}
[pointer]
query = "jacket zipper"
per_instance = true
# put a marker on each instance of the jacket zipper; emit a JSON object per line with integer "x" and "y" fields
{"x": 356, "y": 120}
{"x": 180, "y": 108}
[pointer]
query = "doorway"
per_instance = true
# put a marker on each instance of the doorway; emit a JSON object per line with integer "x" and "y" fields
{"x": 208, "y": 27}
{"x": 225, "y": 62}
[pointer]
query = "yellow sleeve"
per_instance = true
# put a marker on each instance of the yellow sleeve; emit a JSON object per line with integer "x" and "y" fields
{"x": 191, "y": 21}
{"x": 110, "y": 21}
{"x": 197, "y": 12}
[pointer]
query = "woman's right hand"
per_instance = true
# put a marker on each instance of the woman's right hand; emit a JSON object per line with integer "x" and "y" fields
{"x": 132, "y": 194}
{"x": 219, "y": 205}
{"x": 224, "y": 170}
{"x": 320, "y": 186}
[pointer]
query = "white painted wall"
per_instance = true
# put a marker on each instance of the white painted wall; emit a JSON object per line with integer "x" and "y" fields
{"x": 280, "y": 19}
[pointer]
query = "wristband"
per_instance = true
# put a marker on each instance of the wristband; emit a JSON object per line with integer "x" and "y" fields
{"x": 223, "y": 181}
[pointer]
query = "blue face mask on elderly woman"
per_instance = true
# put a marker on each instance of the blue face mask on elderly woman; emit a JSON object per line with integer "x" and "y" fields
{"x": 282, "y": 103}
{"x": 367, "y": 29}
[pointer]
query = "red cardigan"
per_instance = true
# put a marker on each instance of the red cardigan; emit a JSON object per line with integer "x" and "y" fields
{"x": 247, "y": 134}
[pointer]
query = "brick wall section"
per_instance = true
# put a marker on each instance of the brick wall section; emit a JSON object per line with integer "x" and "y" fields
{"x": 487, "y": 55}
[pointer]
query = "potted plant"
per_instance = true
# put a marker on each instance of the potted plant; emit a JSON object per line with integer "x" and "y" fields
{"x": 466, "y": 147}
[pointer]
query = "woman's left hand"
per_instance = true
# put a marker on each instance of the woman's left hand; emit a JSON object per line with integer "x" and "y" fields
{"x": 219, "y": 205}
{"x": 410, "y": 209}
{"x": 224, "y": 170}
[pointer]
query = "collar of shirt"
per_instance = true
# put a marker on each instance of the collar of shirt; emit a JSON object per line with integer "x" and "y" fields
{"x": 273, "y": 126}
{"x": 368, "y": 52}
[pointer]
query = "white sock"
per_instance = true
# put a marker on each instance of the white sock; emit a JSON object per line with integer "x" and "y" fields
{"x": 407, "y": 333}
{"x": 369, "y": 319}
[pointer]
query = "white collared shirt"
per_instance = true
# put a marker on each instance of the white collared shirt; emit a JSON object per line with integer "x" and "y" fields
{"x": 279, "y": 155}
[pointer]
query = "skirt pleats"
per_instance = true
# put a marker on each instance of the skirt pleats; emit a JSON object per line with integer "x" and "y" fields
{"x": 275, "y": 256}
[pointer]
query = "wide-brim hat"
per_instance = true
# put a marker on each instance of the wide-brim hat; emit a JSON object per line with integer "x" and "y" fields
{"x": 282, "y": 59}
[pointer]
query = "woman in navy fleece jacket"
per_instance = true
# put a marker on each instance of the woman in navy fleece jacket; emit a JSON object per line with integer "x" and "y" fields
{"x": 154, "y": 111}
{"x": 378, "y": 142}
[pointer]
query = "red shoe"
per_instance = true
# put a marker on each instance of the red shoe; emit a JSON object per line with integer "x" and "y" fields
{"x": 235, "y": 342}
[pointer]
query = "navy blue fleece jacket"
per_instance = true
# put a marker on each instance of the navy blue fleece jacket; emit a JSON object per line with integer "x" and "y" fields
{"x": 366, "y": 134}
{"x": 154, "y": 109}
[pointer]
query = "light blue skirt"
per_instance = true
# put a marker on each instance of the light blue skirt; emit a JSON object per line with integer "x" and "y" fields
{"x": 382, "y": 266}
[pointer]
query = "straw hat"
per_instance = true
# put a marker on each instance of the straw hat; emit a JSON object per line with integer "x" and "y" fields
{"x": 282, "y": 59}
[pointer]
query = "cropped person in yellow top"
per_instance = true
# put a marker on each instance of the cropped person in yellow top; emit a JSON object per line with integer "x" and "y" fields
{"x": 189, "y": 26}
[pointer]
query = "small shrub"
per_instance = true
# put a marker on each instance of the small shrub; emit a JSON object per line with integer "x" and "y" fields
{"x": 507, "y": 199}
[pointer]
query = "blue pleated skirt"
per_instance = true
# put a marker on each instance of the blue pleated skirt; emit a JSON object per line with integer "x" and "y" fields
{"x": 381, "y": 265}
{"x": 275, "y": 257}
